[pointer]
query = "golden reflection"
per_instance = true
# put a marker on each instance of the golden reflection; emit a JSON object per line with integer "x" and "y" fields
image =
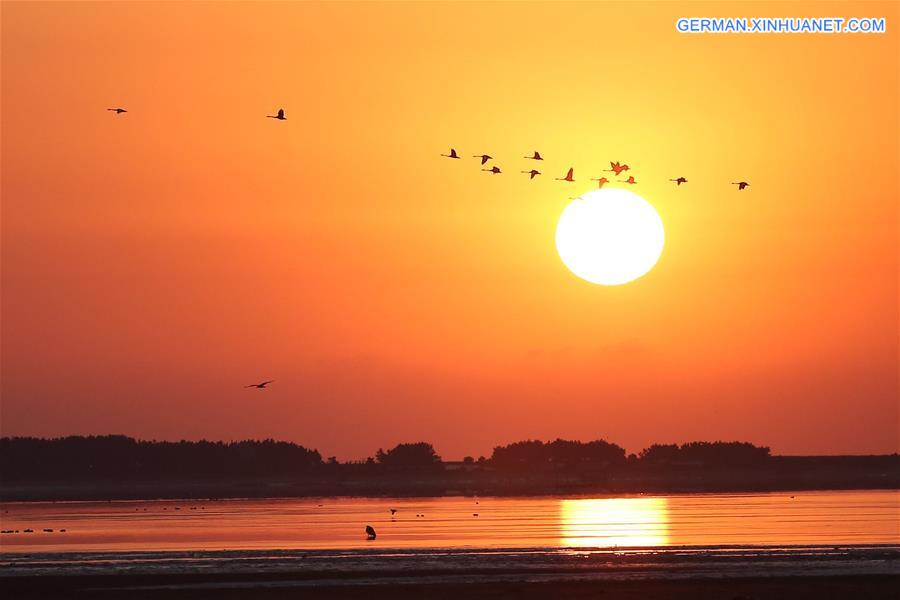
{"x": 607, "y": 522}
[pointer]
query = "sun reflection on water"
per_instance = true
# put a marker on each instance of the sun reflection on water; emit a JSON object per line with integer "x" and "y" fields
{"x": 608, "y": 522}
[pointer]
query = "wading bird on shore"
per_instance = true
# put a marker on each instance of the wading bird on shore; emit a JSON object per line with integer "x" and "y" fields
{"x": 568, "y": 176}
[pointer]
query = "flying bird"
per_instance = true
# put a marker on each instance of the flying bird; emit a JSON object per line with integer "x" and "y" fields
{"x": 532, "y": 173}
{"x": 568, "y": 176}
{"x": 617, "y": 168}
{"x": 393, "y": 511}
{"x": 484, "y": 157}
{"x": 493, "y": 170}
{"x": 280, "y": 116}
{"x": 452, "y": 154}
{"x": 370, "y": 532}
{"x": 118, "y": 111}
{"x": 601, "y": 181}
{"x": 630, "y": 180}
{"x": 261, "y": 386}
{"x": 679, "y": 181}
{"x": 535, "y": 156}
{"x": 741, "y": 184}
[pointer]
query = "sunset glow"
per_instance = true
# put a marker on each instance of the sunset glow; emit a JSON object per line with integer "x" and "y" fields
{"x": 157, "y": 261}
{"x": 609, "y": 236}
{"x": 610, "y": 522}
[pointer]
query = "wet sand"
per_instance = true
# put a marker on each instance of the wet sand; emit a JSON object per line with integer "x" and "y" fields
{"x": 871, "y": 587}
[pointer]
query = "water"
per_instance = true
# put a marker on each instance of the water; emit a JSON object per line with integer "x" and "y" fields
{"x": 839, "y": 531}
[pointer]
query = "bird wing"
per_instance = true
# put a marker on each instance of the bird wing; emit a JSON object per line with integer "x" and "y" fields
{"x": 484, "y": 159}
{"x": 570, "y": 173}
{"x": 280, "y": 112}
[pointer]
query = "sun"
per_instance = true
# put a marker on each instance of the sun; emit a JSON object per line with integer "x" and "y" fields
{"x": 609, "y": 236}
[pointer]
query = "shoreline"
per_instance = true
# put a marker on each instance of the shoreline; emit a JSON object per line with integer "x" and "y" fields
{"x": 274, "y": 490}
{"x": 802, "y": 587}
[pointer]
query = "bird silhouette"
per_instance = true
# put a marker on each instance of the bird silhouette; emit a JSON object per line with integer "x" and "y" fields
{"x": 493, "y": 170}
{"x": 280, "y": 116}
{"x": 484, "y": 157}
{"x": 568, "y": 176}
{"x": 741, "y": 184}
{"x": 118, "y": 111}
{"x": 370, "y": 532}
{"x": 630, "y": 180}
{"x": 679, "y": 181}
{"x": 617, "y": 168}
{"x": 601, "y": 181}
{"x": 452, "y": 154}
{"x": 393, "y": 511}
{"x": 532, "y": 173}
{"x": 261, "y": 386}
{"x": 535, "y": 156}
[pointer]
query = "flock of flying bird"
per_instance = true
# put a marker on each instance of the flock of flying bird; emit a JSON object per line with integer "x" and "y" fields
{"x": 616, "y": 168}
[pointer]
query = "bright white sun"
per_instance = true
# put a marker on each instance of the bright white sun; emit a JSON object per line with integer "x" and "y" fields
{"x": 609, "y": 236}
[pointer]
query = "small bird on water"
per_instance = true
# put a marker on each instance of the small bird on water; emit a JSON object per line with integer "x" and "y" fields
{"x": 370, "y": 532}
{"x": 261, "y": 386}
{"x": 280, "y": 116}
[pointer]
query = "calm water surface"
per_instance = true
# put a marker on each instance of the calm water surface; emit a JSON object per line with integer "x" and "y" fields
{"x": 832, "y": 518}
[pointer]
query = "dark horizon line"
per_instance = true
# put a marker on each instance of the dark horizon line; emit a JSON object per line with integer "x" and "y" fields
{"x": 363, "y": 459}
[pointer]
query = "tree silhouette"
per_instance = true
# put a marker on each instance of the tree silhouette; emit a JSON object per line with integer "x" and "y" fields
{"x": 420, "y": 455}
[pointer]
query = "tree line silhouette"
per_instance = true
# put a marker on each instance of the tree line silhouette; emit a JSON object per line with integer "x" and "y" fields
{"x": 86, "y": 458}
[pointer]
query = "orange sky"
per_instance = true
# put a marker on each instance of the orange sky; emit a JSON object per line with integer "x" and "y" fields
{"x": 155, "y": 262}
